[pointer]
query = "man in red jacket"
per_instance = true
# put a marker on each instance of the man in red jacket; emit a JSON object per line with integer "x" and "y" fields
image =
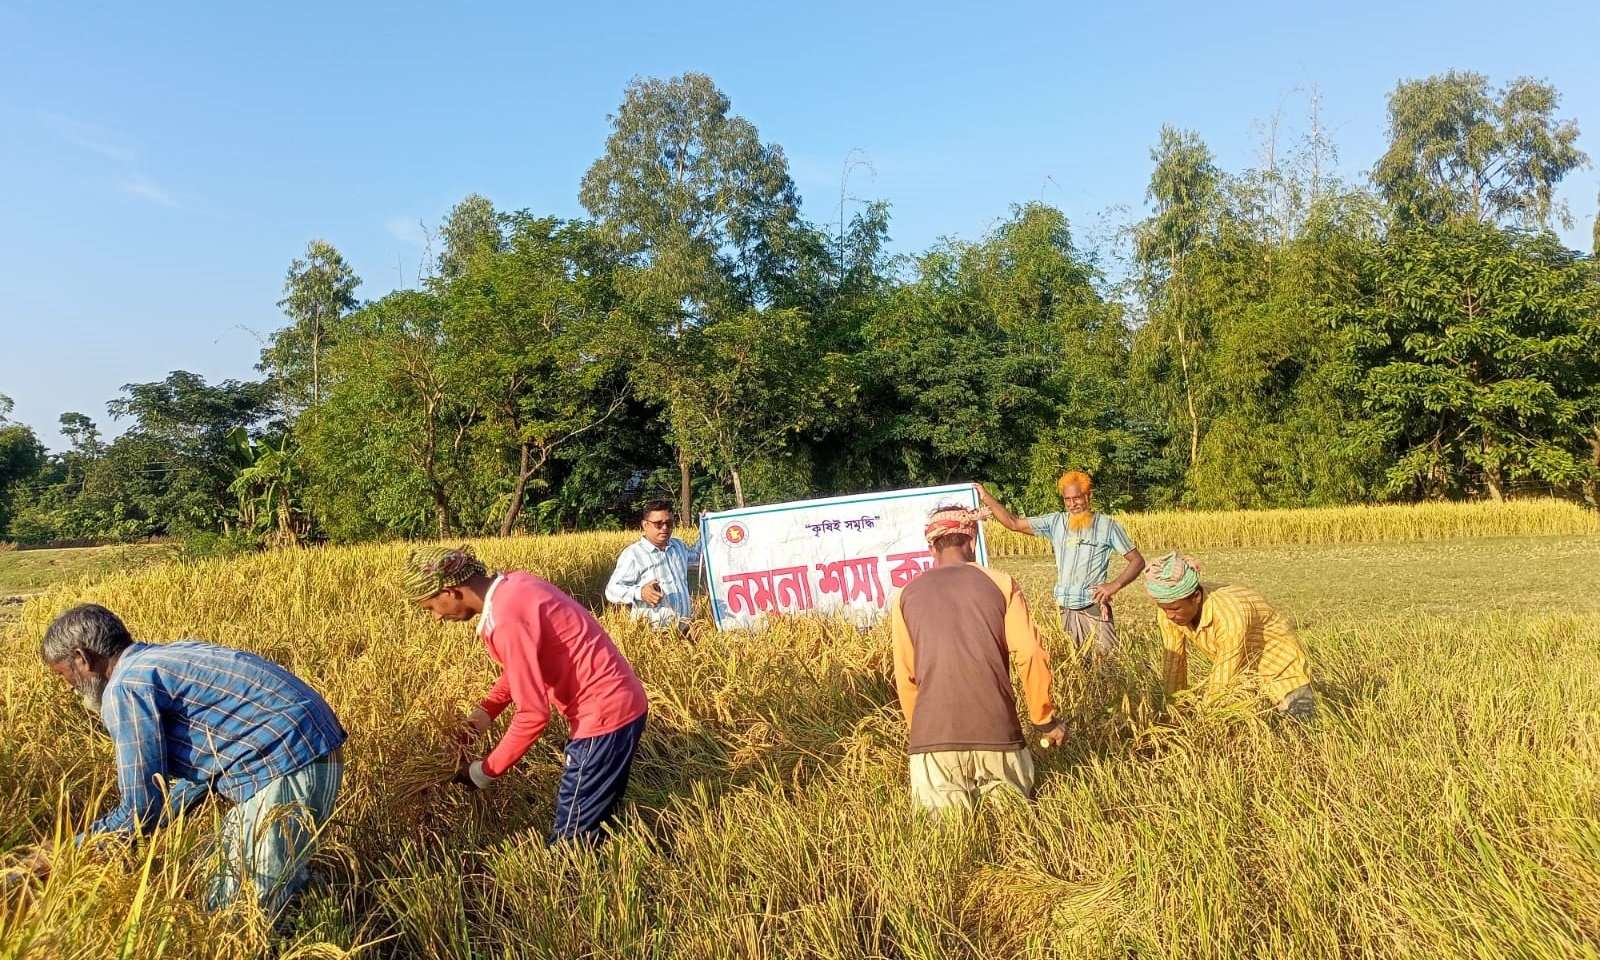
{"x": 552, "y": 652}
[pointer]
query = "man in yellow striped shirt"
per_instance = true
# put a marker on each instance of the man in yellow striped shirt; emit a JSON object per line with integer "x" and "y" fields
{"x": 1235, "y": 628}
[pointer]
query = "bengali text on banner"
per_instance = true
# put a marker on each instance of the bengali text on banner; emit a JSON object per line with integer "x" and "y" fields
{"x": 837, "y": 555}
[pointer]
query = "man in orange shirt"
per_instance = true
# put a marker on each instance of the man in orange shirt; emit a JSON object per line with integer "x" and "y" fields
{"x": 954, "y": 629}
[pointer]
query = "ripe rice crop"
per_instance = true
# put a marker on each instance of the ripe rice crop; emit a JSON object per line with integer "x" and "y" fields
{"x": 1327, "y": 525}
{"x": 1446, "y": 803}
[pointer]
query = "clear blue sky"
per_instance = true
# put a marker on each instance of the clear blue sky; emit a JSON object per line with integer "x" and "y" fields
{"x": 159, "y": 169}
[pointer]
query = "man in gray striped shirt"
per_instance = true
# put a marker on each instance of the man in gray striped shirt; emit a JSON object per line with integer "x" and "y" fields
{"x": 652, "y": 575}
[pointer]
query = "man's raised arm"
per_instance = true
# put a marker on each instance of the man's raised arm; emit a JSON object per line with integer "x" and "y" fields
{"x": 1019, "y": 524}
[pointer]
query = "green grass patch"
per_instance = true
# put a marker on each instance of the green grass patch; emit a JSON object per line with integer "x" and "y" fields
{"x": 1351, "y": 583}
{"x": 24, "y": 572}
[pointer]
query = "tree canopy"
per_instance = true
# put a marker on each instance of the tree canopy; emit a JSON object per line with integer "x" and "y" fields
{"x": 1269, "y": 336}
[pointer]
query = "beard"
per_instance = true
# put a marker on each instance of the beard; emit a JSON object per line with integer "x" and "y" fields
{"x": 93, "y": 691}
{"x": 1078, "y": 522}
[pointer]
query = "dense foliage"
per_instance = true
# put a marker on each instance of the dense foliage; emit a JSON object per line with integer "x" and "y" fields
{"x": 1271, "y": 337}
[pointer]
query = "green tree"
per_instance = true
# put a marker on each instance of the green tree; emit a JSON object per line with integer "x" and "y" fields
{"x": 1459, "y": 150}
{"x": 268, "y": 485}
{"x": 472, "y": 227}
{"x": 1043, "y": 293}
{"x": 167, "y": 474}
{"x": 839, "y": 282}
{"x": 1479, "y": 348}
{"x": 83, "y": 434}
{"x": 529, "y": 340}
{"x": 1286, "y": 425}
{"x": 22, "y": 457}
{"x": 175, "y": 462}
{"x": 1185, "y": 190}
{"x": 750, "y": 384}
{"x": 388, "y": 452}
{"x": 318, "y": 291}
{"x": 999, "y": 349}
{"x": 1594, "y": 250}
{"x": 1289, "y": 248}
{"x": 700, "y": 208}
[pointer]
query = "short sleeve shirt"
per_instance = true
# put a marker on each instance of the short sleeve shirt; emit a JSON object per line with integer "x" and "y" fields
{"x": 1083, "y": 557}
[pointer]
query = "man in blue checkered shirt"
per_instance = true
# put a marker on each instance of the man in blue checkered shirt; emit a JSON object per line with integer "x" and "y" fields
{"x": 191, "y": 718}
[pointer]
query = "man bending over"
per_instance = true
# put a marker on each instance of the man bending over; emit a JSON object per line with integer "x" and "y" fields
{"x": 955, "y": 629}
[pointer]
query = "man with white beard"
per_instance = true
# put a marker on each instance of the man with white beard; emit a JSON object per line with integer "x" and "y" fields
{"x": 191, "y": 718}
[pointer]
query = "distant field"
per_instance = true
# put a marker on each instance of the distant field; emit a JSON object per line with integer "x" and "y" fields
{"x": 1446, "y": 802}
{"x": 1321, "y": 526}
{"x": 1531, "y": 576}
{"x": 24, "y": 572}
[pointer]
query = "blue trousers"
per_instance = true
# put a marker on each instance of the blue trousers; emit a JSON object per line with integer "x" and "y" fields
{"x": 593, "y": 781}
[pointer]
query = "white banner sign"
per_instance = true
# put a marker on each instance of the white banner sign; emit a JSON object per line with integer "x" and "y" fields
{"x": 841, "y": 554}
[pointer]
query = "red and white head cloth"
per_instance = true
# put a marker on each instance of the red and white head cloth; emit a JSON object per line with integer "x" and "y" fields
{"x": 948, "y": 520}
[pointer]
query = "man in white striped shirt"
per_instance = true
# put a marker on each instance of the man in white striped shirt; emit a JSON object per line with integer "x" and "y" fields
{"x": 652, "y": 575}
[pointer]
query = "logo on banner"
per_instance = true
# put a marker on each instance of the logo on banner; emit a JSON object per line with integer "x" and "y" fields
{"x": 734, "y": 534}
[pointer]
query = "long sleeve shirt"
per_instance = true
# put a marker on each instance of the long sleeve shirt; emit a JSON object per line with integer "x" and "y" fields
{"x": 643, "y": 562}
{"x": 956, "y": 631}
{"x": 1241, "y": 634}
{"x": 553, "y": 653}
{"x": 202, "y": 717}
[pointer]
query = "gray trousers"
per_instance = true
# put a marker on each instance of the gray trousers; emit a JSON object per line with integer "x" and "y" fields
{"x": 1300, "y": 703}
{"x": 961, "y": 779}
{"x": 1092, "y": 630}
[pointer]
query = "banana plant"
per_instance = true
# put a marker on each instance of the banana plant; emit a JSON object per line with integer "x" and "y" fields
{"x": 266, "y": 484}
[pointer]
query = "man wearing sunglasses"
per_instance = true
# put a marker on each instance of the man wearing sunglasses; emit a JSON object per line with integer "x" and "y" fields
{"x": 652, "y": 575}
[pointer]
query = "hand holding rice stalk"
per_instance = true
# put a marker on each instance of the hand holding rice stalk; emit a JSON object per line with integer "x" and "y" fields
{"x": 468, "y": 770}
{"x": 469, "y": 729}
{"x": 439, "y": 757}
{"x": 1053, "y": 735}
{"x": 35, "y": 866}
{"x": 417, "y": 773}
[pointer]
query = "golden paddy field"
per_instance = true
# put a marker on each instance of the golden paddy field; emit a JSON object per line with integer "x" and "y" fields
{"x": 1445, "y": 803}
